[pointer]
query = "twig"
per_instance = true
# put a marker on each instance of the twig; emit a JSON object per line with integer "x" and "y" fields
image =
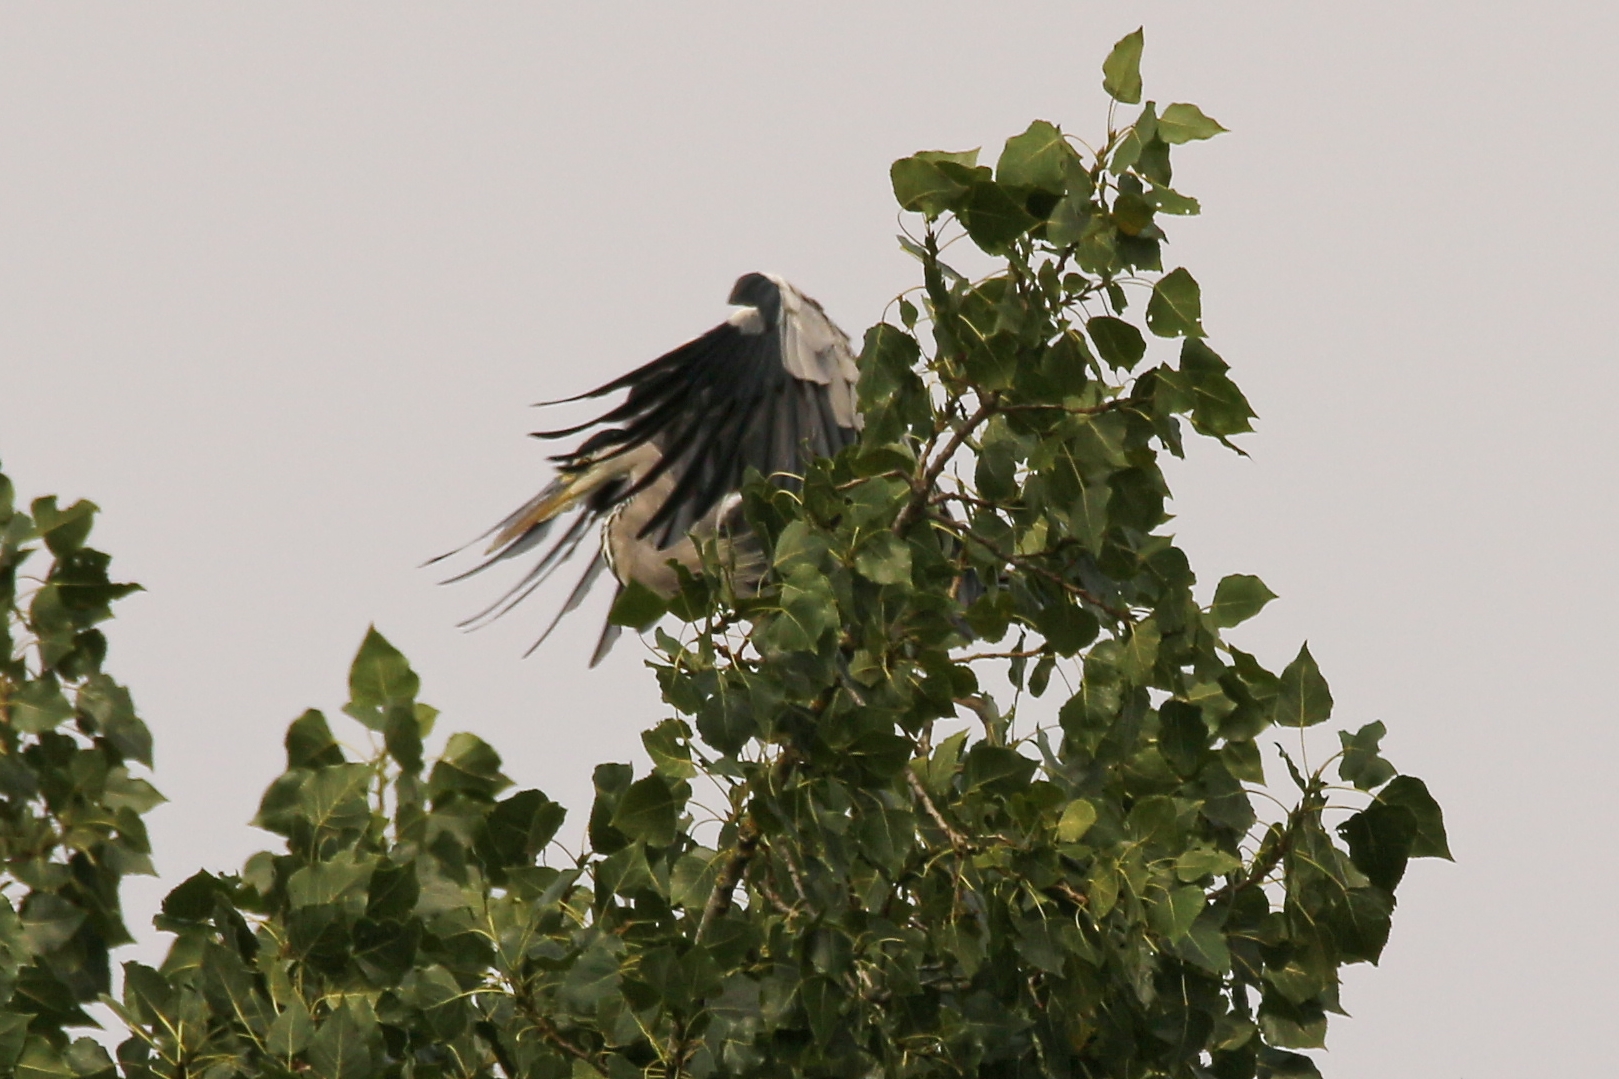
{"x": 958, "y": 529}
{"x": 768, "y": 890}
{"x": 550, "y": 1033}
{"x": 1262, "y": 869}
{"x": 1021, "y": 653}
{"x": 923, "y": 484}
{"x": 719, "y": 900}
{"x": 988, "y": 715}
{"x": 957, "y": 840}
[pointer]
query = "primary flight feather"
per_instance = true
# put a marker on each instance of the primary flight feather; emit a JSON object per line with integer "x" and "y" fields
{"x": 771, "y": 388}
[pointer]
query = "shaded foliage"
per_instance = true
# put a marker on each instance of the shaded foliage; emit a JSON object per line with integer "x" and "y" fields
{"x": 71, "y": 794}
{"x": 879, "y": 888}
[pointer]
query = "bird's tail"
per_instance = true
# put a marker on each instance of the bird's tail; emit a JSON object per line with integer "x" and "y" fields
{"x": 591, "y": 490}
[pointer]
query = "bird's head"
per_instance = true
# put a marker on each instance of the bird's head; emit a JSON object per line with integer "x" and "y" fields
{"x": 762, "y": 292}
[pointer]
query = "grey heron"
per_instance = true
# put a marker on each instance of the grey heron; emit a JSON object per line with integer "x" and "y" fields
{"x": 771, "y": 388}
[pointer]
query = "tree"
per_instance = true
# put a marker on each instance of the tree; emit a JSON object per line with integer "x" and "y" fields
{"x": 882, "y": 890}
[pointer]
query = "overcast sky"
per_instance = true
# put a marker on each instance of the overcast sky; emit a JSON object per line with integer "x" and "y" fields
{"x": 278, "y": 282}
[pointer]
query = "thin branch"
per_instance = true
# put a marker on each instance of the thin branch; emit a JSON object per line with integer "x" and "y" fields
{"x": 719, "y": 900}
{"x": 548, "y": 1030}
{"x": 957, "y": 840}
{"x": 921, "y": 487}
{"x": 956, "y": 528}
{"x": 1019, "y": 653}
{"x": 761, "y": 880}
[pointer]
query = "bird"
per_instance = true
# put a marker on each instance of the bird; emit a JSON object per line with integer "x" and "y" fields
{"x": 770, "y": 389}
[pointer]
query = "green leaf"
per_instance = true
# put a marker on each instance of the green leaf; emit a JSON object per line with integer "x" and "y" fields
{"x": 1066, "y": 626}
{"x": 1219, "y": 408}
{"x": 290, "y": 1032}
{"x": 310, "y": 743}
{"x": 1205, "y": 945}
{"x": 993, "y": 218}
{"x": 956, "y": 159}
{"x": 522, "y": 826}
{"x": 1183, "y": 737}
{"x": 692, "y": 880}
{"x": 1168, "y": 201}
{"x": 64, "y": 531}
{"x": 1069, "y": 219}
{"x": 1140, "y": 653}
{"x": 1176, "y": 307}
{"x": 112, "y": 709}
{"x": 1238, "y": 598}
{"x": 402, "y": 735}
{"x": 89, "y": 1059}
{"x": 393, "y": 891}
{"x": 329, "y": 882}
{"x": 48, "y": 922}
{"x": 996, "y": 769}
{"x": 1201, "y": 862}
{"x": 808, "y": 611}
{"x": 1037, "y": 158}
{"x": 380, "y": 674}
{"x": 192, "y": 900}
{"x": 1077, "y": 818}
{"x": 40, "y": 1060}
{"x": 637, "y": 607}
{"x": 669, "y": 746}
{"x": 1117, "y": 342}
{"x": 884, "y": 558}
{"x": 469, "y": 766}
{"x": 1361, "y": 763}
{"x": 1173, "y": 913}
{"x": 921, "y": 186}
{"x": 1412, "y": 793}
{"x": 1180, "y": 123}
{"x": 340, "y": 1049}
{"x": 1303, "y": 699}
{"x": 1121, "y": 71}
{"x": 1301, "y": 1026}
{"x": 886, "y": 836}
{"x": 334, "y": 798}
{"x": 13, "y": 1025}
{"x": 649, "y": 811}
{"x": 1380, "y": 838}
{"x": 39, "y": 706}
{"x": 593, "y": 976}
{"x": 799, "y": 545}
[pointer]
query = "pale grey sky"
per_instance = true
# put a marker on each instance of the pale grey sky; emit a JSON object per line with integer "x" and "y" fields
{"x": 278, "y": 281}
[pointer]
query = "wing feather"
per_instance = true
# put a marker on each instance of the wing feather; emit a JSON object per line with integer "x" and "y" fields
{"x": 770, "y": 392}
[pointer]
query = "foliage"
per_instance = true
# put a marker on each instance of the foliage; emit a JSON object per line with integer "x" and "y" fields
{"x": 70, "y": 805}
{"x": 879, "y": 889}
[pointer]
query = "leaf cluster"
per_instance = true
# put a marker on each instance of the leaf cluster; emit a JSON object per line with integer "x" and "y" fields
{"x": 71, "y": 794}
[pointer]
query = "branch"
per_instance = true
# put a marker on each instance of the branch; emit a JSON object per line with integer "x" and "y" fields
{"x": 719, "y": 900}
{"x": 1021, "y": 653}
{"x": 957, "y": 529}
{"x": 548, "y": 1030}
{"x": 768, "y": 890}
{"x": 923, "y": 484}
{"x": 957, "y": 840}
{"x": 1260, "y": 869}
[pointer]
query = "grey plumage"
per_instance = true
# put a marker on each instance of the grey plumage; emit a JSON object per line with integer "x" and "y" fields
{"x": 770, "y": 389}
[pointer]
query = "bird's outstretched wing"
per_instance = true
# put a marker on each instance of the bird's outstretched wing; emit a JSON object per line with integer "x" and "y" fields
{"x": 767, "y": 389}
{"x": 771, "y": 389}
